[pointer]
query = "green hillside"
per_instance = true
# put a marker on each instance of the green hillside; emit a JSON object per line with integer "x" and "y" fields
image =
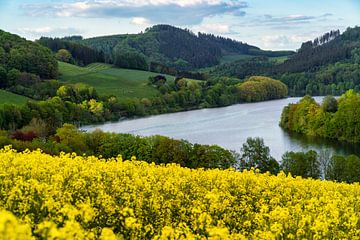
{"x": 25, "y": 56}
{"x": 176, "y": 47}
{"x": 328, "y": 65}
{"x": 11, "y": 98}
{"x": 108, "y": 80}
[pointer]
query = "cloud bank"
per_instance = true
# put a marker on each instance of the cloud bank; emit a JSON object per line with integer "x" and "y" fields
{"x": 48, "y": 31}
{"x": 179, "y": 12}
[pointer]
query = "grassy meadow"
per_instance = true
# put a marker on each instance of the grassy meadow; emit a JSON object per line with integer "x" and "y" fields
{"x": 108, "y": 80}
{"x": 11, "y": 98}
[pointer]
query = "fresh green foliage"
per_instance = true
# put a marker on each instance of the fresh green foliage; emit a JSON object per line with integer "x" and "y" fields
{"x": 259, "y": 88}
{"x": 26, "y": 56}
{"x": 23, "y": 67}
{"x": 301, "y": 164}
{"x": 56, "y": 111}
{"x": 39, "y": 90}
{"x": 254, "y": 154}
{"x": 154, "y": 149}
{"x": 76, "y": 93}
{"x": 64, "y": 56}
{"x": 329, "y": 104}
{"x": 11, "y": 98}
{"x": 344, "y": 169}
{"x": 310, "y": 118}
{"x": 311, "y": 164}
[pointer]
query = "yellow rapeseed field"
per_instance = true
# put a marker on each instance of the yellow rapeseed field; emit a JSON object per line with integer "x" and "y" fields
{"x": 74, "y": 197}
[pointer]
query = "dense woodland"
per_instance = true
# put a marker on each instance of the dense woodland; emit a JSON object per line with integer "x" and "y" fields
{"x": 80, "y": 54}
{"x": 327, "y": 65}
{"x": 24, "y": 61}
{"x": 174, "y": 47}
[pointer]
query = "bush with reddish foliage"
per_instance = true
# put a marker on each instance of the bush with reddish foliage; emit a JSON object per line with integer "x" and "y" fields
{"x": 24, "y": 136}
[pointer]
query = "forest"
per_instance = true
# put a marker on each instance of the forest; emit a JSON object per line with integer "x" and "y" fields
{"x": 174, "y": 47}
{"x": 22, "y": 60}
{"x": 327, "y": 65}
{"x": 80, "y": 54}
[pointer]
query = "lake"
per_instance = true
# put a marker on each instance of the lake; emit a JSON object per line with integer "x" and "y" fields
{"x": 229, "y": 127}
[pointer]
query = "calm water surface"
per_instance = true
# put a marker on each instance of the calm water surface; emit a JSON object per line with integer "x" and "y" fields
{"x": 229, "y": 127}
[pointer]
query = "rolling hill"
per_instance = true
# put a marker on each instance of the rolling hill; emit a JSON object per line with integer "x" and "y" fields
{"x": 108, "y": 80}
{"x": 19, "y": 54}
{"x": 327, "y": 65}
{"x": 11, "y": 98}
{"x": 172, "y": 47}
{"x": 329, "y": 48}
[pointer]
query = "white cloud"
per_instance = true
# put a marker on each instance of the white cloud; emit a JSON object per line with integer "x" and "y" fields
{"x": 217, "y": 28}
{"x": 36, "y": 30}
{"x": 140, "y": 3}
{"x": 284, "y": 42}
{"x": 140, "y": 21}
{"x": 182, "y": 3}
{"x": 185, "y": 12}
{"x": 46, "y": 31}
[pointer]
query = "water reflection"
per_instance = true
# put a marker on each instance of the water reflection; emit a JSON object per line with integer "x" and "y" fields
{"x": 319, "y": 144}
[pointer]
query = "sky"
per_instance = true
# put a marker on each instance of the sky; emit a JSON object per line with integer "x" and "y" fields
{"x": 268, "y": 24}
